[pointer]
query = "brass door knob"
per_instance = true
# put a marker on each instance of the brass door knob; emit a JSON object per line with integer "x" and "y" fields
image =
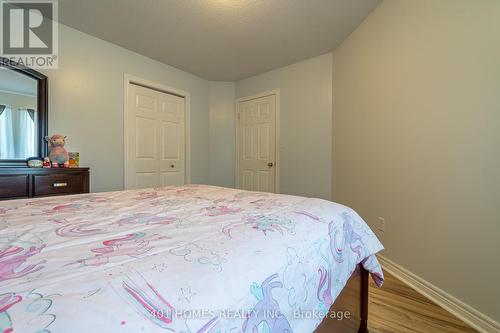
{"x": 270, "y": 164}
{"x": 171, "y": 165}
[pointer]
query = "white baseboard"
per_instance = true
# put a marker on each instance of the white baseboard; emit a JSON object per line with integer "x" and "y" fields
{"x": 464, "y": 312}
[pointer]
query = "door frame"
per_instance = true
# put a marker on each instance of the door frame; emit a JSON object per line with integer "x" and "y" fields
{"x": 277, "y": 164}
{"x": 131, "y": 79}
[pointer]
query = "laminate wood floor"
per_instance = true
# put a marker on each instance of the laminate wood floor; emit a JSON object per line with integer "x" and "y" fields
{"x": 397, "y": 308}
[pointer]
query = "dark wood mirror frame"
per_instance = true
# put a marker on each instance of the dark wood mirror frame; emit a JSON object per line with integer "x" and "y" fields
{"x": 42, "y": 102}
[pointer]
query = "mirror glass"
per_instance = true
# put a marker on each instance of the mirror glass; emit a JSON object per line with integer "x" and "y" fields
{"x": 18, "y": 115}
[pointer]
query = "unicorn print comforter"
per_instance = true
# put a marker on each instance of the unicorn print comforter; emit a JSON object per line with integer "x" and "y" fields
{"x": 192, "y": 259}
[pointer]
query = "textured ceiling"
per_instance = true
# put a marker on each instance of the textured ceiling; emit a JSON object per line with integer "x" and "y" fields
{"x": 222, "y": 40}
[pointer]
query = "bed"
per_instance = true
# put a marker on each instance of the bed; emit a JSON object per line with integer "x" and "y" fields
{"x": 184, "y": 259}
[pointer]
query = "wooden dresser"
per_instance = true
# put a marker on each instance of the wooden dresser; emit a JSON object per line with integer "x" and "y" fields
{"x": 17, "y": 183}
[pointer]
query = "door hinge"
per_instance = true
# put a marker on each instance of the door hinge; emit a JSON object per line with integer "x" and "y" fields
{"x": 239, "y": 114}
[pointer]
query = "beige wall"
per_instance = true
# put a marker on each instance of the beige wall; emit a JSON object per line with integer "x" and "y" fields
{"x": 86, "y": 104}
{"x": 416, "y": 123}
{"x": 222, "y": 133}
{"x": 305, "y": 123}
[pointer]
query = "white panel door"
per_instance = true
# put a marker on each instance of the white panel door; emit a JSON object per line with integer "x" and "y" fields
{"x": 172, "y": 133}
{"x": 257, "y": 144}
{"x": 156, "y": 138}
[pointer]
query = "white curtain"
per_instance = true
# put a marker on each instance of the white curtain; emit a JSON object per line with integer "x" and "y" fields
{"x": 17, "y": 134}
{"x": 6, "y": 134}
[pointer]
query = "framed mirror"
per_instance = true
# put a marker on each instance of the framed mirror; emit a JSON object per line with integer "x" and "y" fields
{"x": 23, "y": 114}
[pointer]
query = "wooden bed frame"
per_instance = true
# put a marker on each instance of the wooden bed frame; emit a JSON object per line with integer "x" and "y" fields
{"x": 353, "y": 300}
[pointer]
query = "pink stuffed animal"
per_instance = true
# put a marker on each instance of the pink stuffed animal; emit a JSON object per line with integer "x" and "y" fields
{"x": 58, "y": 154}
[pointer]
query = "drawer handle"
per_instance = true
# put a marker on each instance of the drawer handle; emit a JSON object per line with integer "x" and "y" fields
{"x": 60, "y": 184}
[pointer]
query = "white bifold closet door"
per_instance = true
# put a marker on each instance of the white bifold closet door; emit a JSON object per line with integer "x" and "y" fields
{"x": 155, "y": 138}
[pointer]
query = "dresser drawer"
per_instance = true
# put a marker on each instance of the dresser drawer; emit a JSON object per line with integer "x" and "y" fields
{"x": 58, "y": 184}
{"x": 14, "y": 186}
